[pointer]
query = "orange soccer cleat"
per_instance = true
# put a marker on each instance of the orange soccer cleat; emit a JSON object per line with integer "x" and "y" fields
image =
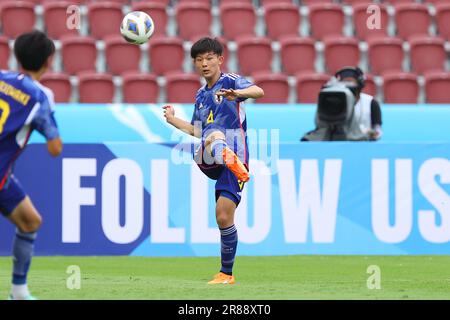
{"x": 235, "y": 165}
{"x": 222, "y": 278}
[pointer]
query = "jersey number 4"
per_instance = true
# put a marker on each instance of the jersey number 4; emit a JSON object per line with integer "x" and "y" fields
{"x": 4, "y": 113}
{"x": 210, "y": 117}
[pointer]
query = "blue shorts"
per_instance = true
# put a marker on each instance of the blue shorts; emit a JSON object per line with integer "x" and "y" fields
{"x": 10, "y": 196}
{"x": 228, "y": 186}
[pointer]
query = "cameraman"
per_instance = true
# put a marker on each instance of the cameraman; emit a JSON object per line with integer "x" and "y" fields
{"x": 365, "y": 121}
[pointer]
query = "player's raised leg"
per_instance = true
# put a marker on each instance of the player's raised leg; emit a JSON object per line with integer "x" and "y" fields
{"x": 27, "y": 220}
{"x": 222, "y": 153}
{"x": 225, "y": 209}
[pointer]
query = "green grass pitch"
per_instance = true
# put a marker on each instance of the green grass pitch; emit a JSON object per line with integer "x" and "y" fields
{"x": 258, "y": 278}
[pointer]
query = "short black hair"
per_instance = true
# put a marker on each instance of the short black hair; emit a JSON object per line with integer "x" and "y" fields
{"x": 32, "y": 50}
{"x": 205, "y": 45}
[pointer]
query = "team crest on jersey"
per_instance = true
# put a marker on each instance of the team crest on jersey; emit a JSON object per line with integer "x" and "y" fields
{"x": 217, "y": 99}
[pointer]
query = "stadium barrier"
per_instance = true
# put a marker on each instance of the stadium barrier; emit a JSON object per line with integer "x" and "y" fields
{"x": 126, "y": 185}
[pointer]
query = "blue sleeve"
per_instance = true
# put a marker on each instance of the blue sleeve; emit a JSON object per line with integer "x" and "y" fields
{"x": 195, "y": 116}
{"x": 242, "y": 83}
{"x": 44, "y": 121}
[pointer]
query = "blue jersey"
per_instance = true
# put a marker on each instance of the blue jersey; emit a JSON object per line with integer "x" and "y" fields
{"x": 25, "y": 105}
{"x": 218, "y": 113}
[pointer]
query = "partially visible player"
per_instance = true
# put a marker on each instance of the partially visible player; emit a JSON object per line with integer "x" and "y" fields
{"x": 223, "y": 131}
{"x": 25, "y": 105}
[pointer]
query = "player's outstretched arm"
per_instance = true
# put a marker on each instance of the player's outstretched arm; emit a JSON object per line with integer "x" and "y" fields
{"x": 253, "y": 92}
{"x": 187, "y": 127}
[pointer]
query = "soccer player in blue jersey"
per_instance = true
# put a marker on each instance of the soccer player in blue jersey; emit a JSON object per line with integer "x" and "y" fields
{"x": 25, "y": 105}
{"x": 219, "y": 120}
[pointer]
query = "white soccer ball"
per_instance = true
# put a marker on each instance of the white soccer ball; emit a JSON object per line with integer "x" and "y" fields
{"x": 137, "y": 27}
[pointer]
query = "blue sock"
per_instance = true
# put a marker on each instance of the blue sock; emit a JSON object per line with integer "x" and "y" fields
{"x": 217, "y": 147}
{"x": 22, "y": 251}
{"x": 228, "y": 241}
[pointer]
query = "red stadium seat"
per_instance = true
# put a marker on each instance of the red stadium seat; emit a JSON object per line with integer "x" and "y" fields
{"x": 17, "y": 17}
{"x": 120, "y": 55}
{"x": 164, "y": 2}
{"x": 187, "y": 12}
{"x": 436, "y": 2}
{"x": 266, "y": 2}
{"x": 297, "y": 54}
{"x": 166, "y": 54}
{"x": 34, "y": 2}
{"x": 427, "y": 54}
{"x": 332, "y": 13}
{"x": 78, "y": 54}
{"x": 71, "y": 1}
{"x": 399, "y": 87}
{"x": 104, "y": 18}
{"x": 55, "y": 19}
{"x": 275, "y": 86}
{"x": 308, "y": 86}
{"x": 254, "y": 54}
{"x": 308, "y": 2}
{"x": 95, "y": 87}
{"x": 139, "y": 88}
{"x": 4, "y": 53}
{"x": 182, "y": 87}
{"x": 121, "y": 2}
{"x": 281, "y": 19}
{"x": 340, "y": 52}
{"x": 158, "y": 13}
{"x": 360, "y": 17}
{"x": 353, "y": 2}
{"x": 443, "y": 20}
{"x": 59, "y": 83}
{"x": 370, "y": 87}
{"x": 412, "y": 19}
{"x": 385, "y": 54}
{"x": 237, "y": 19}
{"x": 437, "y": 86}
{"x": 394, "y": 2}
{"x": 208, "y": 2}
